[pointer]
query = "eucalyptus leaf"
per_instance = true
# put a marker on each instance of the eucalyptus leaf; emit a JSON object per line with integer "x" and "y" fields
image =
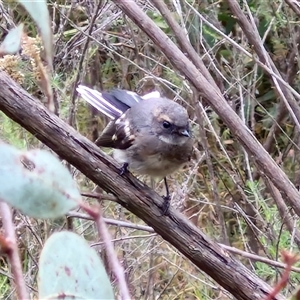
{"x": 68, "y": 266}
{"x": 38, "y": 10}
{"x": 36, "y": 183}
{"x": 12, "y": 41}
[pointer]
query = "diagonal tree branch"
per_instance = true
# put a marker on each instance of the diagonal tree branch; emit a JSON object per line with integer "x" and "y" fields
{"x": 213, "y": 95}
{"x": 16, "y": 103}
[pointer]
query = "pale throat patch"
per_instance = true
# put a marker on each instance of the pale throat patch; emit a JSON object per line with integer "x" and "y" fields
{"x": 172, "y": 141}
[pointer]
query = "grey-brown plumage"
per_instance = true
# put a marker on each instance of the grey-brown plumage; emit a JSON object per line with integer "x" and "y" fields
{"x": 149, "y": 134}
{"x": 160, "y": 151}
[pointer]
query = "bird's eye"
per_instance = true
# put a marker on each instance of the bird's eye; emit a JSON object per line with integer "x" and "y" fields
{"x": 166, "y": 124}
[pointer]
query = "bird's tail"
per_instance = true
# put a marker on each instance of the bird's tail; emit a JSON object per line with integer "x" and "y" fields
{"x": 97, "y": 100}
{"x": 115, "y": 103}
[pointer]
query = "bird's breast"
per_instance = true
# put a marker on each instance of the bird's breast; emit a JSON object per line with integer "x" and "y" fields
{"x": 155, "y": 164}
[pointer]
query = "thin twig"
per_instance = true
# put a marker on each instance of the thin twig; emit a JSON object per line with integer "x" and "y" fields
{"x": 258, "y": 258}
{"x": 100, "y": 197}
{"x": 73, "y": 104}
{"x": 112, "y": 222}
{"x": 294, "y": 5}
{"x": 12, "y": 251}
{"x": 115, "y": 265}
{"x": 183, "y": 41}
{"x": 250, "y": 30}
{"x": 289, "y": 260}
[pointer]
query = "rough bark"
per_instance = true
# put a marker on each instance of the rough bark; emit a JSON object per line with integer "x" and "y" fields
{"x": 131, "y": 193}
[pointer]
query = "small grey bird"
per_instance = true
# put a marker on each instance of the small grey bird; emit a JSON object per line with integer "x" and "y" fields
{"x": 150, "y": 134}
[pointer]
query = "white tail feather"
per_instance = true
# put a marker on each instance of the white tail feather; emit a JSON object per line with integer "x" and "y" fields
{"x": 155, "y": 94}
{"x": 134, "y": 95}
{"x": 95, "y": 98}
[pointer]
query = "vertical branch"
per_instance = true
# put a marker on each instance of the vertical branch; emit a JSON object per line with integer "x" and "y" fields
{"x": 12, "y": 251}
{"x": 73, "y": 102}
{"x": 111, "y": 255}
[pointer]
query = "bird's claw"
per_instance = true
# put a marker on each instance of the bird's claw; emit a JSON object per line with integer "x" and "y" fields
{"x": 124, "y": 169}
{"x": 166, "y": 205}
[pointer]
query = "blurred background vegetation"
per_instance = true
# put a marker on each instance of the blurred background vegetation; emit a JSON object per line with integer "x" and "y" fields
{"x": 220, "y": 191}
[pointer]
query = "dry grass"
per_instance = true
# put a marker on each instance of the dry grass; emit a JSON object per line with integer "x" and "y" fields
{"x": 221, "y": 191}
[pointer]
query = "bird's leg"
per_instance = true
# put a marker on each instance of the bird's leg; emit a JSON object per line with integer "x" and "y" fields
{"x": 124, "y": 169}
{"x": 166, "y": 198}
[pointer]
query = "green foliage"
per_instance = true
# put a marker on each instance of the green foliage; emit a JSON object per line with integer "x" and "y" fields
{"x": 4, "y": 285}
{"x": 39, "y": 185}
{"x": 12, "y": 42}
{"x": 36, "y": 182}
{"x": 158, "y": 20}
{"x": 122, "y": 56}
{"x": 12, "y": 133}
{"x": 38, "y": 10}
{"x": 68, "y": 266}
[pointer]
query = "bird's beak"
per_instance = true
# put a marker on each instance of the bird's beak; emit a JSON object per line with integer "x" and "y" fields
{"x": 184, "y": 133}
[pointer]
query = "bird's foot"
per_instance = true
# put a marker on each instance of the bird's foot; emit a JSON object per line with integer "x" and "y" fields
{"x": 124, "y": 169}
{"x": 166, "y": 205}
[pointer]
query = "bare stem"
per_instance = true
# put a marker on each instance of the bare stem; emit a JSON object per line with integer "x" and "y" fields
{"x": 13, "y": 252}
{"x": 111, "y": 255}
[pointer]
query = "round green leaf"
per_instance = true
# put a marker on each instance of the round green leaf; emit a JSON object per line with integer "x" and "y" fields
{"x": 12, "y": 42}
{"x": 38, "y": 10}
{"x": 68, "y": 266}
{"x": 36, "y": 183}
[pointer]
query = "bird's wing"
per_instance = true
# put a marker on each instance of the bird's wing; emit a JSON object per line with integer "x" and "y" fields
{"x": 112, "y": 104}
{"x": 131, "y": 98}
{"x": 127, "y": 98}
{"x": 117, "y": 134}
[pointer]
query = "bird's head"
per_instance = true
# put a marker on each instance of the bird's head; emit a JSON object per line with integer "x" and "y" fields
{"x": 170, "y": 122}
